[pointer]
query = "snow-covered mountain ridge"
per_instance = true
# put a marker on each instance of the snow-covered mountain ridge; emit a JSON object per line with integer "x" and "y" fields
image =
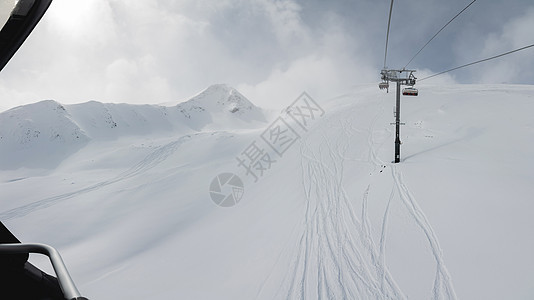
{"x": 50, "y": 129}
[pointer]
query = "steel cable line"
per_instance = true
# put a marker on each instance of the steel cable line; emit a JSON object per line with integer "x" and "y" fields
{"x": 387, "y": 34}
{"x": 479, "y": 61}
{"x": 438, "y": 32}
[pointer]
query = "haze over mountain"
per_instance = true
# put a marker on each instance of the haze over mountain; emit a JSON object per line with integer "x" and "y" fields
{"x": 123, "y": 191}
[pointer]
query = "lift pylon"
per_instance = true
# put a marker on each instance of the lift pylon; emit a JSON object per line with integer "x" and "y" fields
{"x": 401, "y": 77}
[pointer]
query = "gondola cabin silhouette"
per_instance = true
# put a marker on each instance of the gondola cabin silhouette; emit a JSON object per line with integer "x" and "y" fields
{"x": 410, "y": 91}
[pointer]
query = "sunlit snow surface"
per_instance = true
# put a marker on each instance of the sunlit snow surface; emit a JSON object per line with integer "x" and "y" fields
{"x": 123, "y": 192}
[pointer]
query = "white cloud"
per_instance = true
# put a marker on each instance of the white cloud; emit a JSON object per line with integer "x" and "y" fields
{"x": 135, "y": 81}
{"x": 318, "y": 76}
{"x": 444, "y": 79}
{"x": 87, "y": 22}
{"x": 516, "y": 67}
{"x": 166, "y": 50}
{"x": 284, "y": 17}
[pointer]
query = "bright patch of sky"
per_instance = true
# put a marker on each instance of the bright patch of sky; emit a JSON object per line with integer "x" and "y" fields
{"x": 165, "y": 50}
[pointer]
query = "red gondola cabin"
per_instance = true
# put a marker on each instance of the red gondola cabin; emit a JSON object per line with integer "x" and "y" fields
{"x": 410, "y": 91}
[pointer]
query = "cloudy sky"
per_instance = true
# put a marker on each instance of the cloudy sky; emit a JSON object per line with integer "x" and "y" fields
{"x": 154, "y": 51}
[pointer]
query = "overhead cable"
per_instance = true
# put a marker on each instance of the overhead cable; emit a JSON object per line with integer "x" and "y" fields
{"x": 439, "y": 32}
{"x": 479, "y": 61}
{"x": 387, "y": 34}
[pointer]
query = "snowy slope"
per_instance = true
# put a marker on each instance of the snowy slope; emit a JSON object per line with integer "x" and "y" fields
{"x": 332, "y": 218}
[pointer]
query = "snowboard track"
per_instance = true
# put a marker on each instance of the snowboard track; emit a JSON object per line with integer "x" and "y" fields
{"x": 150, "y": 161}
{"x": 336, "y": 256}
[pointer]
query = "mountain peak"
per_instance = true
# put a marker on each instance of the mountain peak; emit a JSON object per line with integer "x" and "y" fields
{"x": 220, "y": 87}
{"x": 220, "y": 97}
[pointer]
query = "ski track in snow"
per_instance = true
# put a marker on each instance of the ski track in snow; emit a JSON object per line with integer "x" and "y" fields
{"x": 443, "y": 287}
{"x": 149, "y": 162}
{"x": 336, "y": 256}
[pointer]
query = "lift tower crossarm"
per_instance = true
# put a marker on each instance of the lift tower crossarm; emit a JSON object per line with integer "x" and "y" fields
{"x": 397, "y": 76}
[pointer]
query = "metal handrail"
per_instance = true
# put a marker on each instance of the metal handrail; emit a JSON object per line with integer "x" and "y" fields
{"x": 65, "y": 281}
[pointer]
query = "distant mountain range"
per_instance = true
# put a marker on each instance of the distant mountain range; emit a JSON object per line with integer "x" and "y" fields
{"x": 53, "y": 130}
